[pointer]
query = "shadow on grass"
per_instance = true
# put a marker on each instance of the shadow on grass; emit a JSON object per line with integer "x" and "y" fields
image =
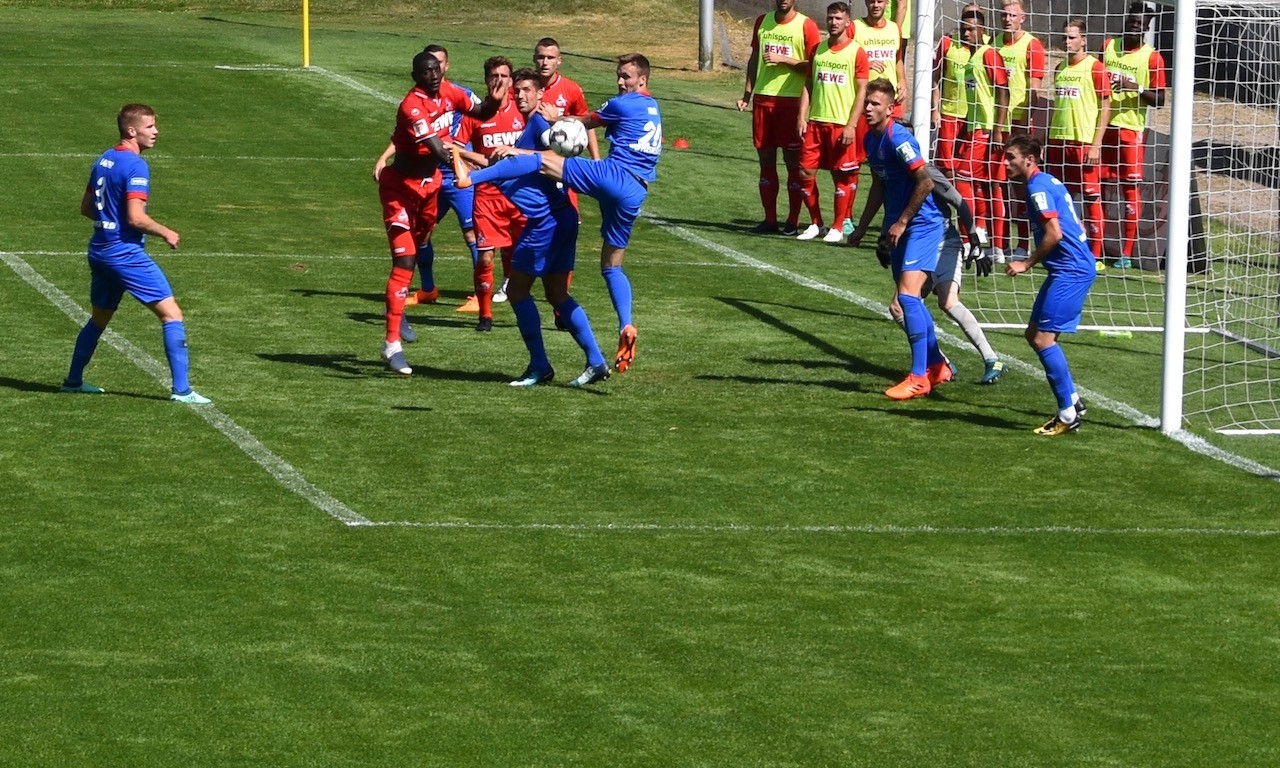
{"x": 56, "y": 389}
{"x": 457, "y": 320}
{"x": 344, "y": 363}
{"x": 29, "y": 386}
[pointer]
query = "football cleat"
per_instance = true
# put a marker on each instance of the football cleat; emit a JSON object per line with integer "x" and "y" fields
{"x": 1081, "y": 408}
{"x": 1056, "y": 426}
{"x": 626, "y": 349}
{"x": 1124, "y": 262}
{"x": 83, "y": 388}
{"x": 393, "y": 354}
{"x": 834, "y": 235}
{"x": 846, "y": 228}
{"x": 484, "y": 325}
{"x": 997, "y": 255}
{"x": 1019, "y": 254}
{"x": 910, "y": 387}
{"x": 461, "y": 173}
{"x": 501, "y": 295}
{"x": 811, "y": 232}
{"x": 765, "y": 228}
{"x": 790, "y": 230}
{"x": 422, "y": 297}
{"x": 940, "y": 373}
{"x": 995, "y": 369}
{"x": 470, "y": 306}
{"x": 591, "y": 375}
{"x": 192, "y": 397}
{"x": 532, "y": 378}
{"x": 406, "y": 331}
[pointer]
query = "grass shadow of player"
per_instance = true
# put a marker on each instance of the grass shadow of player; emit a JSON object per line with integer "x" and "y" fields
{"x": 449, "y": 374}
{"x": 29, "y": 386}
{"x": 416, "y": 320}
{"x": 344, "y": 363}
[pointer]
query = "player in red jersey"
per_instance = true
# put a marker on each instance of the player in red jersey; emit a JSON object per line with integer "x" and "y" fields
{"x": 782, "y": 45}
{"x": 1137, "y": 75}
{"x": 560, "y": 91}
{"x": 409, "y": 186}
{"x": 498, "y": 221}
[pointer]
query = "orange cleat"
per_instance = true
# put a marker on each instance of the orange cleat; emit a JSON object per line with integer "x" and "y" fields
{"x": 470, "y": 306}
{"x": 461, "y": 173}
{"x": 910, "y": 387}
{"x": 626, "y": 349}
{"x": 422, "y": 297}
{"x": 941, "y": 373}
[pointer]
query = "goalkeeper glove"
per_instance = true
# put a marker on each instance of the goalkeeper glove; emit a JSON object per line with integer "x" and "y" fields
{"x": 978, "y": 253}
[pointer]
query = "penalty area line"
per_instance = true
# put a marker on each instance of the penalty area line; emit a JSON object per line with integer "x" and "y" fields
{"x": 1190, "y": 441}
{"x": 284, "y": 472}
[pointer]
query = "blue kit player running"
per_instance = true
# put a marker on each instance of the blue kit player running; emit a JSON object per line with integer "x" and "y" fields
{"x": 116, "y": 201}
{"x": 1063, "y": 247}
{"x": 548, "y": 243}
{"x": 620, "y": 182}
{"x": 914, "y": 229}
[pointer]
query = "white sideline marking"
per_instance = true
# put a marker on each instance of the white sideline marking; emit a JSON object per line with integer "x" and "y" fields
{"x": 1187, "y": 439}
{"x": 281, "y": 470}
{"x": 888, "y": 530}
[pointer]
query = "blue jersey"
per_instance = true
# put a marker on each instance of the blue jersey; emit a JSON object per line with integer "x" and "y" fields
{"x": 117, "y": 175}
{"x": 633, "y": 126}
{"x": 1047, "y": 198}
{"x": 895, "y": 157}
{"x": 535, "y": 195}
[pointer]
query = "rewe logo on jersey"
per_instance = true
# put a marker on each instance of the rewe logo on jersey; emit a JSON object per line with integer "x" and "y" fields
{"x": 1067, "y": 91}
{"x": 782, "y": 49}
{"x": 833, "y": 78}
{"x": 500, "y": 139}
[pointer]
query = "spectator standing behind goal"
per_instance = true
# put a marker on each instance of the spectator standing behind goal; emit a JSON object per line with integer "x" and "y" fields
{"x": 1061, "y": 244}
{"x": 116, "y": 200}
{"x": 950, "y": 104}
{"x": 830, "y": 116}
{"x": 1081, "y": 111}
{"x": 1137, "y": 76}
{"x": 1025, "y": 61}
{"x": 782, "y": 44}
{"x": 982, "y": 138}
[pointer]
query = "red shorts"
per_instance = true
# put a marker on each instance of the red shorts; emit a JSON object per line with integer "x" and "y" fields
{"x": 822, "y": 148}
{"x": 1123, "y": 153}
{"x": 408, "y": 203}
{"x": 1069, "y": 162}
{"x": 944, "y": 153}
{"x": 973, "y": 155}
{"x": 498, "y": 221}
{"x": 774, "y": 122}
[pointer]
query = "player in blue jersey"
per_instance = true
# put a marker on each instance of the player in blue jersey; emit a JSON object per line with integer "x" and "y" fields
{"x": 116, "y": 200}
{"x": 548, "y": 244}
{"x": 1063, "y": 247}
{"x": 620, "y": 182}
{"x": 913, "y": 227}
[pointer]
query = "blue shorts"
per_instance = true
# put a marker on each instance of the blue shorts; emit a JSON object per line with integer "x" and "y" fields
{"x": 619, "y": 192}
{"x": 460, "y": 201}
{"x": 917, "y": 249}
{"x": 1060, "y": 301}
{"x": 125, "y": 268}
{"x": 548, "y": 245}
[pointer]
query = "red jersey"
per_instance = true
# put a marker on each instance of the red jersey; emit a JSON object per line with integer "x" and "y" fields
{"x": 422, "y": 116}
{"x": 566, "y": 95}
{"x": 501, "y": 130}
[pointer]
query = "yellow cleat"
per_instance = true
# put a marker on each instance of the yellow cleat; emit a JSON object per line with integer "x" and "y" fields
{"x": 1056, "y": 426}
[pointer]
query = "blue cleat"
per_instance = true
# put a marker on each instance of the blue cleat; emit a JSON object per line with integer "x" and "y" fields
{"x": 83, "y": 388}
{"x": 1123, "y": 263}
{"x": 532, "y": 378}
{"x": 192, "y": 397}
{"x": 406, "y": 331}
{"x": 592, "y": 374}
{"x": 995, "y": 369}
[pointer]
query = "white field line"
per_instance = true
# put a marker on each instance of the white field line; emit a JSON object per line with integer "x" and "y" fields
{"x": 281, "y": 470}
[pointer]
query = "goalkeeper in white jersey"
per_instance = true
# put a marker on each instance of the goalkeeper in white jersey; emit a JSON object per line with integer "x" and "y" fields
{"x": 945, "y": 280}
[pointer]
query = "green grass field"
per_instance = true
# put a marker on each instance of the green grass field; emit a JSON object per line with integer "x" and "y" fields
{"x": 737, "y": 554}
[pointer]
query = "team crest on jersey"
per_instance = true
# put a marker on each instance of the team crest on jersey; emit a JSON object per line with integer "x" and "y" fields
{"x": 561, "y": 101}
{"x": 414, "y": 112}
{"x": 515, "y": 123}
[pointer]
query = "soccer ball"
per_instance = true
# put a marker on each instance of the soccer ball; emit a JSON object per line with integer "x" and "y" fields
{"x": 568, "y": 137}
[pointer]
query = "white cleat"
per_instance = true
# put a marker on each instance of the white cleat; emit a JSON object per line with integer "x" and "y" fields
{"x": 811, "y": 233}
{"x": 393, "y": 354}
{"x": 501, "y": 295}
{"x": 191, "y": 398}
{"x": 834, "y": 235}
{"x": 997, "y": 254}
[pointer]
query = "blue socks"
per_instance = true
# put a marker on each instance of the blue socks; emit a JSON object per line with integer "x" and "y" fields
{"x": 1059, "y": 376}
{"x": 575, "y": 319}
{"x": 512, "y": 167}
{"x": 86, "y": 343}
{"x": 619, "y": 293}
{"x": 919, "y": 332}
{"x": 175, "y": 348}
{"x": 426, "y": 265}
{"x": 530, "y": 324}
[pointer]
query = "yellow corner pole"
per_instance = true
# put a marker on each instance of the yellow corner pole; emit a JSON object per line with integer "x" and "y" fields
{"x": 306, "y": 34}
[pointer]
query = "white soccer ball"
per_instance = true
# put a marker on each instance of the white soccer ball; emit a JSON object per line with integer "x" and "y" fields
{"x": 568, "y": 137}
